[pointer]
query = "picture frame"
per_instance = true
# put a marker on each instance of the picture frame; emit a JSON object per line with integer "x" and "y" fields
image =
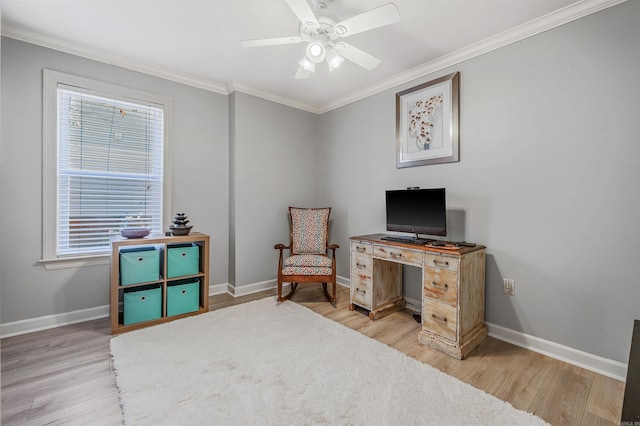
{"x": 427, "y": 121}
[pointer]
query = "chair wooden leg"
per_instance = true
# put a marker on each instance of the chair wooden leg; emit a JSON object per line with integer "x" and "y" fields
{"x": 281, "y": 298}
{"x": 330, "y": 298}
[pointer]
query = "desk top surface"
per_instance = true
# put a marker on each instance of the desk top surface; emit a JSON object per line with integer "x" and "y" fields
{"x": 449, "y": 248}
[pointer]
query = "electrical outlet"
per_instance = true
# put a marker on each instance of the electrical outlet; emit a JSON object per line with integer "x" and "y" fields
{"x": 509, "y": 286}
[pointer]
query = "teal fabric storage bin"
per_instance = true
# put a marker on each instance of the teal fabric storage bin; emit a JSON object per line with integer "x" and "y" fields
{"x": 139, "y": 265}
{"x": 183, "y": 259}
{"x": 183, "y": 297}
{"x": 142, "y": 304}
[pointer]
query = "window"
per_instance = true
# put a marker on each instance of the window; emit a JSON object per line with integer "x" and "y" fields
{"x": 104, "y": 165}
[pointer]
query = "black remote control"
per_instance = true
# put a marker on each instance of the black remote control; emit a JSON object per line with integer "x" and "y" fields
{"x": 464, "y": 244}
{"x": 437, "y": 244}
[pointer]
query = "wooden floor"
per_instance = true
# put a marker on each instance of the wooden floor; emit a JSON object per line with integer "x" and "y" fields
{"x": 65, "y": 375}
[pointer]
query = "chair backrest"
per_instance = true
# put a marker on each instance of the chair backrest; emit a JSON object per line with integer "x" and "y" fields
{"x": 309, "y": 230}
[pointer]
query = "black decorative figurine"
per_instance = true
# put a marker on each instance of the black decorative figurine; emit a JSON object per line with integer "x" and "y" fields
{"x": 180, "y": 226}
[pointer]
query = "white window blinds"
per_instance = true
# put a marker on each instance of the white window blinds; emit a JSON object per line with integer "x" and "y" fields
{"x": 110, "y": 169}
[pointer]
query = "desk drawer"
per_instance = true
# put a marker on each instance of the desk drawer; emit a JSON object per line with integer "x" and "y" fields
{"x": 361, "y": 247}
{"x": 361, "y": 291}
{"x": 398, "y": 254}
{"x": 441, "y": 284}
{"x": 361, "y": 273}
{"x": 361, "y": 263}
{"x": 439, "y": 318}
{"x": 441, "y": 262}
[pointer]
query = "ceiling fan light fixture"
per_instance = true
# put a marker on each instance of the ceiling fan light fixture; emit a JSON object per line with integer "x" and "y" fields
{"x": 302, "y": 73}
{"x": 316, "y": 52}
{"x": 321, "y": 31}
{"x": 307, "y": 65}
{"x": 334, "y": 60}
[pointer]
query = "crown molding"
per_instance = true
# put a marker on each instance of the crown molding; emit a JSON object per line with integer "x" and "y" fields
{"x": 544, "y": 23}
{"x": 552, "y": 20}
{"x": 236, "y": 87}
{"x": 109, "y": 58}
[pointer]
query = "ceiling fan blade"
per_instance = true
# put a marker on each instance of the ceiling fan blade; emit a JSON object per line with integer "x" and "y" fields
{"x": 378, "y": 17}
{"x": 270, "y": 41}
{"x": 357, "y": 56}
{"x": 304, "y": 12}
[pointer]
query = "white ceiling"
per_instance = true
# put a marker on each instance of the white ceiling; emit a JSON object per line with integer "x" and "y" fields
{"x": 197, "y": 42}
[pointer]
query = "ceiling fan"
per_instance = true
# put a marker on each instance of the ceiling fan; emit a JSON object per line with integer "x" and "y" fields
{"x": 322, "y": 33}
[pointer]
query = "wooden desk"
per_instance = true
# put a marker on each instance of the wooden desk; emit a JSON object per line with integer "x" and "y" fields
{"x": 453, "y": 281}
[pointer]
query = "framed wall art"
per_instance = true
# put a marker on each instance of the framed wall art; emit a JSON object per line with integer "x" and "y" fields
{"x": 427, "y": 123}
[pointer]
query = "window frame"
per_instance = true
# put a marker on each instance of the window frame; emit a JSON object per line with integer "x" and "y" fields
{"x": 51, "y": 80}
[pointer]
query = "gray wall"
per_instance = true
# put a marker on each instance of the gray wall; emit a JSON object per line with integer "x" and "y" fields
{"x": 200, "y": 179}
{"x": 274, "y": 165}
{"x": 238, "y": 162}
{"x": 549, "y": 177}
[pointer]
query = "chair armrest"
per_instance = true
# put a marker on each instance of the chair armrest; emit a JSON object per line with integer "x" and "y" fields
{"x": 334, "y": 246}
{"x": 280, "y": 247}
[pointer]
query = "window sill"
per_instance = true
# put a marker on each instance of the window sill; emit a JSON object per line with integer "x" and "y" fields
{"x": 74, "y": 262}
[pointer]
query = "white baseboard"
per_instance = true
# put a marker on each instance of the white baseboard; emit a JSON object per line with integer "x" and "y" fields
{"x": 413, "y": 304}
{"x": 251, "y": 288}
{"x": 46, "y": 322}
{"x": 268, "y": 285}
{"x": 52, "y": 321}
{"x": 344, "y": 282}
{"x": 58, "y": 320}
{"x": 607, "y": 367}
{"x": 218, "y": 289}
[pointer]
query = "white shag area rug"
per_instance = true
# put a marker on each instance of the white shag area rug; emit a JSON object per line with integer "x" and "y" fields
{"x": 262, "y": 363}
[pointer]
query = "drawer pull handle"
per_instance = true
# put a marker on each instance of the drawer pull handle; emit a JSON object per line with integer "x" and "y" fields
{"x": 140, "y": 259}
{"x": 363, "y": 276}
{"x": 440, "y": 262}
{"x": 184, "y": 254}
{"x": 361, "y": 249}
{"x": 443, "y": 319}
{"x": 445, "y": 285}
{"x": 360, "y": 266}
{"x": 396, "y": 255}
{"x": 361, "y": 291}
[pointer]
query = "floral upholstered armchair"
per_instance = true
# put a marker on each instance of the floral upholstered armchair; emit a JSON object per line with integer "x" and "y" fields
{"x": 308, "y": 260}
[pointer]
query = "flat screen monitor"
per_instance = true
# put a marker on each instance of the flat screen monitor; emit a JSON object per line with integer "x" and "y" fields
{"x": 419, "y": 211}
